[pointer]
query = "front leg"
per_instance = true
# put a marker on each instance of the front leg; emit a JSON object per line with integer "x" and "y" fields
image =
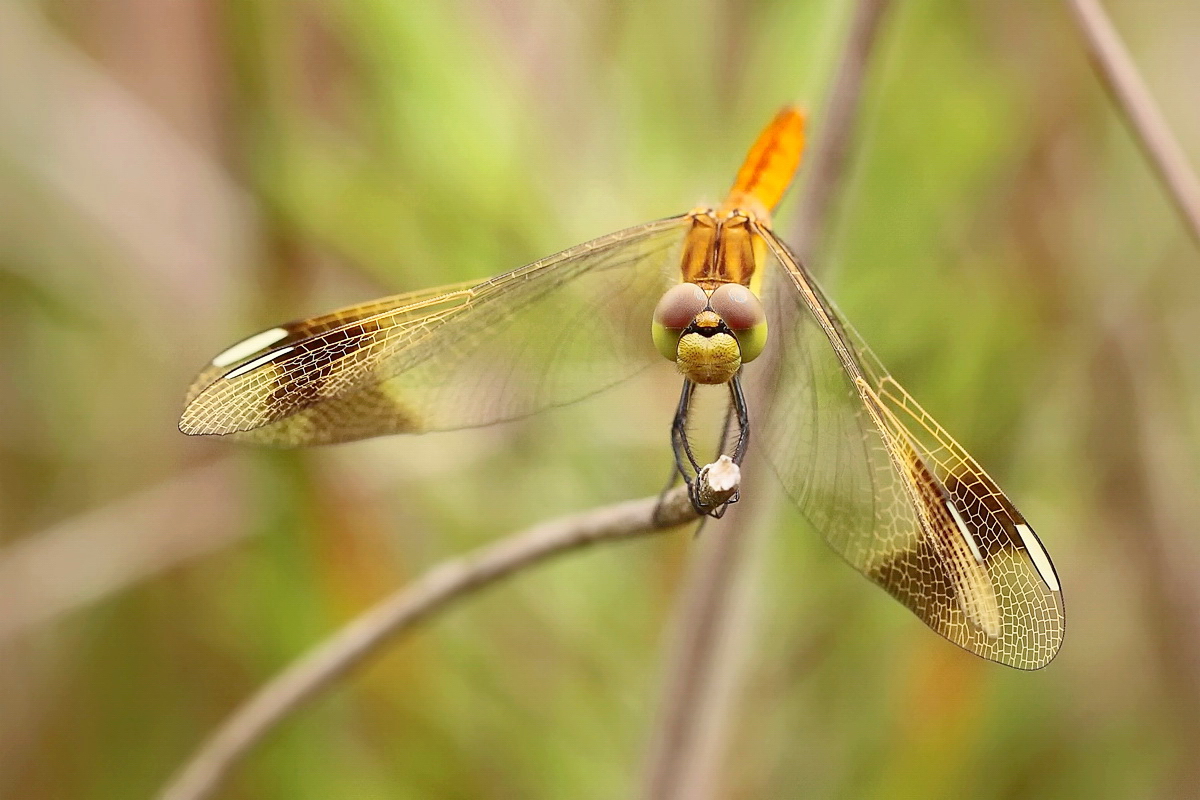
{"x": 743, "y": 419}
{"x": 685, "y": 460}
{"x": 679, "y": 439}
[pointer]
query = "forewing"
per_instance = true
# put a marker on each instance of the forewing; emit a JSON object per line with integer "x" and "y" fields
{"x": 544, "y": 334}
{"x": 892, "y": 492}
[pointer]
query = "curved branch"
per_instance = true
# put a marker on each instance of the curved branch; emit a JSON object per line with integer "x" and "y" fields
{"x": 451, "y": 580}
{"x": 1121, "y": 76}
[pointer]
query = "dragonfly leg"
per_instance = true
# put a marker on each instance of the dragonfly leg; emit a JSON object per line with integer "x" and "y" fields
{"x": 685, "y": 459}
{"x": 738, "y": 410}
{"x": 743, "y": 420}
{"x": 679, "y": 439}
{"x": 686, "y": 464}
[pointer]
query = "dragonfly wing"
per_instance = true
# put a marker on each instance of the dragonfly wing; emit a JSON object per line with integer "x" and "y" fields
{"x": 545, "y": 334}
{"x": 892, "y": 492}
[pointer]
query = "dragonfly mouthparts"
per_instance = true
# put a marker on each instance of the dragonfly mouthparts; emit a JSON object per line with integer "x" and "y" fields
{"x": 707, "y": 323}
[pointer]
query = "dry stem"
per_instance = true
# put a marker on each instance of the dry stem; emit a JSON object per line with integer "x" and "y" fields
{"x": 685, "y": 746}
{"x": 333, "y": 658}
{"x": 1141, "y": 112}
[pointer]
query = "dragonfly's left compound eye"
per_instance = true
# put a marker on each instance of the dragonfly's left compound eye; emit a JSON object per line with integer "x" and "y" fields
{"x": 744, "y": 314}
{"x": 674, "y": 312}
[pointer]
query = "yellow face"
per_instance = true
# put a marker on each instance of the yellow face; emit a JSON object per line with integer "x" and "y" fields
{"x": 709, "y": 335}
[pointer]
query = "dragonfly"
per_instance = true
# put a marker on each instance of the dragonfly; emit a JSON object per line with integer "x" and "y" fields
{"x": 894, "y": 494}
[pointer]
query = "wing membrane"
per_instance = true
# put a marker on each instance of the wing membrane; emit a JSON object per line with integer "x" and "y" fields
{"x": 544, "y": 334}
{"x": 892, "y": 492}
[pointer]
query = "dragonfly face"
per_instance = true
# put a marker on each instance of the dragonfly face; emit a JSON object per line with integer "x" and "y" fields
{"x": 709, "y": 335}
{"x": 886, "y": 486}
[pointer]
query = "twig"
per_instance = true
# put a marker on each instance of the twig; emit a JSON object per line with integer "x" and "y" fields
{"x": 827, "y": 164}
{"x": 1121, "y": 76}
{"x": 1147, "y": 504}
{"x": 451, "y": 580}
{"x": 685, "y": 745}
{"x": 697, "y": 678}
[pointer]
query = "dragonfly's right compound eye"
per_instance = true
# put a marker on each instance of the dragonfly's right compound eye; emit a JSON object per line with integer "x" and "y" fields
{"x": 675, "y": 311}
{"x": 743, "y": 313}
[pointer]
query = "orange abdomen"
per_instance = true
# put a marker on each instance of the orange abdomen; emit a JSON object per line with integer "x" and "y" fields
{"x": 770, "y": 165}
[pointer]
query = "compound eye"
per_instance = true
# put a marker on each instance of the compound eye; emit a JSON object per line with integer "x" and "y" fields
{"x": 738, "y": 306}
{"x": 744, "y": 315}
{"x": 680, "y": 305}
{"x": 674, "y": 312}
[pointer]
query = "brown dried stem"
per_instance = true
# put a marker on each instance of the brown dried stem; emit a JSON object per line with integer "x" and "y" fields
{"x": 1137, "y": 105}
{"x": 332, "y": 659}
{"x": 702, "y": 668}
{"x": 827, "y": 164}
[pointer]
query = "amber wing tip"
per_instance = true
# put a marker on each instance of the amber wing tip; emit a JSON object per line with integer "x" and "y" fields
{"x": 194, "y": 422}
{"x": 188, "y": 427}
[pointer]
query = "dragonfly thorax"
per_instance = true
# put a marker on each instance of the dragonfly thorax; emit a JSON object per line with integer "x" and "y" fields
{"x": 709, "y": 335}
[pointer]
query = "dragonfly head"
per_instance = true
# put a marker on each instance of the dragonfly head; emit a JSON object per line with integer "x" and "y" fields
{"x": 709, "y": 335}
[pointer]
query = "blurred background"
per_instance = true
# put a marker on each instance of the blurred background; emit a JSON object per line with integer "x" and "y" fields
{"x": 175, "y": 176}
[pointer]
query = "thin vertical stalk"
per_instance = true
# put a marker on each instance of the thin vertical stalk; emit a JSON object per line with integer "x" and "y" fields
{"x": 1140, "y": 110}
{"x": 714, "y": 614}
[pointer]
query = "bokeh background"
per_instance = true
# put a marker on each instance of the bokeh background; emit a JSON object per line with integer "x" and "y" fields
{"x": 176, "y": 175}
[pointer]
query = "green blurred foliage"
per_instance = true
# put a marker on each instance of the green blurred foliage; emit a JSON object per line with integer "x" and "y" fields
{"x": 174, "y": 175}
